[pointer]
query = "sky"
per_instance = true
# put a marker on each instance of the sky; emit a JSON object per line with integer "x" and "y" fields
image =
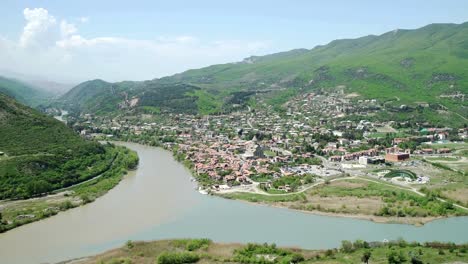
{"x": 114, "y": 40}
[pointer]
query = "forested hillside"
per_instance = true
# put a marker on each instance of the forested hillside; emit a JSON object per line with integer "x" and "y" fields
{"x": 40, "y": 154}
{"x": 99, "y": 97}
{"x": 23, "y": 92}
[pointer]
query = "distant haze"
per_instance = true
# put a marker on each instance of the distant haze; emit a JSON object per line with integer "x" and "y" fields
{"x": 43, "y": 83}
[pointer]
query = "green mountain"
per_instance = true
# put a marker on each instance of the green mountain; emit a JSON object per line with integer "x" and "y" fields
{"x": 39, "y": 154}
{"x": 100, "y": 97}
{"x": 410, "y": 67}
{"x": 23, "y": 92}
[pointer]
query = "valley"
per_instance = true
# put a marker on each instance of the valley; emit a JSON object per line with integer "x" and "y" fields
{"x": 362, "y": 139}
{"x": 285, "y": 129}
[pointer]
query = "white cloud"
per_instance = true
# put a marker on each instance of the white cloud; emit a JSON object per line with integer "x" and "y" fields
{"x": 39, "y": 27}
{"x": 67, "y": 29}
{"x": 60, "y": 52}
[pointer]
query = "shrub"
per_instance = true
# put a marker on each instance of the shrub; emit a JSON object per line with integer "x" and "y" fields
{"x": 66, "y": 205}
{"x": 396, "y": 258}
{"x": 347, "y": 246}
{"x": 129, "y": 244}
{"x": 177, "y": 258}
{"x": 197, "y": 243}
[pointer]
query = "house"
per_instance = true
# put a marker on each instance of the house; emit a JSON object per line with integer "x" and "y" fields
{"x": 229, "y": 178}
{"x": 397, "y": 141}
{"x": 442, "y": 135}
{"x": 364, "y": 160}
{"x": 444, "y": 150}
{"x": 375, "y": 160}
{"x": 426, "y": 151}
{"x": 396, "y": 157}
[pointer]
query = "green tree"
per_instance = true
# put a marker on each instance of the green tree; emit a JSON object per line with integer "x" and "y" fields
{"x": 366, "y": 256}
{"x": 347, "y": 246}
{"x": 296, "y": 258}
{"x": 415, "y": 260}
{"x": 129, "y": 244}
{"x": 396, "y": 258}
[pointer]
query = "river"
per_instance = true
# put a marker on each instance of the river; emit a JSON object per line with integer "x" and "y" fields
{"x": 158, "y": 201}
{"x": 63, "y": 113}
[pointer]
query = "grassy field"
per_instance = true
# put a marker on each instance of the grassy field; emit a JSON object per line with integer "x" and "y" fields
{"x": 384, "y": 134}
{"x": 380, "y": 202}
{"x": 458, "y": 164}
{"x": 253, "y": 197}
{"x": 455, "y": 146}
{"x": 443, "y": 158}
{"x": 205, "y": 251}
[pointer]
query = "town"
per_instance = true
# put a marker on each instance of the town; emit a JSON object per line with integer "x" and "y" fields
{"x": 265, "y": 151}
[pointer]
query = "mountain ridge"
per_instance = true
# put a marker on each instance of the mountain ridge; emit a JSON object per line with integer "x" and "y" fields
{"x": 420, "y": 65}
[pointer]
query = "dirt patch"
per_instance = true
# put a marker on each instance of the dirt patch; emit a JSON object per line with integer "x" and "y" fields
{"x": 386, "y": 129}
{"x": 349, "y": 184}
{"x": 352, "y": 95}
{"x": 348, "y": 205}
{"x": 222, "y": 250}
{"x": 458, "y": 195}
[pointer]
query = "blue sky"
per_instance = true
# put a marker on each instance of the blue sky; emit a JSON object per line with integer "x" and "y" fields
{"x": 115, "y": 40}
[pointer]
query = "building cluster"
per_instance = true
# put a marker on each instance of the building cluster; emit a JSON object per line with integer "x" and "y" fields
{"x": 232, "y": 148}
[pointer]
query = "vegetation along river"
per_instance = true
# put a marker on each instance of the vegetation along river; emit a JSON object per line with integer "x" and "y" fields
{"x": 158, "y": 201}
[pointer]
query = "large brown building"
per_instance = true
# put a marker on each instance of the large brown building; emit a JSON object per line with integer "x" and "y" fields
{"x": 396, "y": 157}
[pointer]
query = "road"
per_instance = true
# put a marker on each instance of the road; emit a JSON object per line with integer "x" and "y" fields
{"x": 254, "y": 189}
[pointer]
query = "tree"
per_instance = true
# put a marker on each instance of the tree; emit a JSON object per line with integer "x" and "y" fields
{"x": 366, "y": 256}
{"x": 38, "y": 187}
{"x": 129, "y": 244}
{"x": 415, "y": 260}
{"x": 296, "y": 258}
{"x": 347, "y": 246}
{"x": 396, "y": 258}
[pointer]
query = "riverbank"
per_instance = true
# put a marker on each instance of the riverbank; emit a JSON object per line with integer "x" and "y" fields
{"x": 349, "y": 197}
{"x": 159, "y": 202}
{"x": 358, "y": 198}
{"x": 206, "y": 251}
{"x": 416, "y": 221}
{"x": 15, "y": 213}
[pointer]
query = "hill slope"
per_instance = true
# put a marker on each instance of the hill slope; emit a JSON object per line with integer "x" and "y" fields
{"x": 23, "y": 92}
{"x": 417, "y": 66}
{"x": 100, "y": 97}
{"x": 40, "y": 154}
